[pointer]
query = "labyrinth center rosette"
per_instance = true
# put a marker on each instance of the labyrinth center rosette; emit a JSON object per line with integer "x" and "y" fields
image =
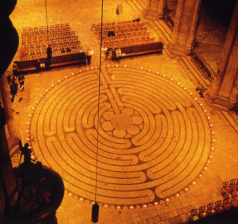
{"x": 148, "y": 137}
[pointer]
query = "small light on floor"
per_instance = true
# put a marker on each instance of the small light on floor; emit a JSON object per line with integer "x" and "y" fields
{"x": 157, "y": 72}
{"x": 91, "y": 67}
{"x": 52, "y": 84}
{"x": 213, "y": 132}
{"x": 141, "y": 67}
{"x": 144, "y": 206}
{"x": 196, "y": 98}
{"x": 177, "y": 195}
{"x": 194, "y": 182}
{"x": 212, "y": 147}
{"x": 29, "y": 115}
{"x": 108, "y": 65}
{"x": 28, "y": 122}
{"x": 208, "y": 161}
{"x": 171, "y": 79}
{"x": 167, "y": 199}
{"x": 156, "y": 203}
{"x": 81, "y": 199}
{"x": 118, "y": 207}
{"x": 58, "y": 80}
{"x": 210, "y": 125}
{"x": 41, "y": 17}
{"x": 70, "y": 194}
{"x": 27, "y": 130}
{"x": 72, "y": 73}
{"x": 87, "y": 68}
{"x": 200, "y": 175}
{"x": 66, "y": 76}
{"x": 131, "y": 207}
{"x": 80, "y": 70}
{"x": 213, "y": 140}
{"x": 124, "y": 65}
{"x": 186, "y": 189}
{"x": 93, "y": 203}
{"x": 210, "y": 156}
{"x": 205, "y": 110}
{"x": 200, "y": 104}
{"x": 191, "y": 93}
{"x": 178, "y": 83}
{"x": 37, "y": 101}
{"x": 33, "y": 108}
{"x": 105, "y": 205}
{"x": 46, "y": 90}
{"x": 117, "y": 65}
{"x": 149, "y": 70}
{"x": 164, "y": 75}
{"x": 205, "y": 168}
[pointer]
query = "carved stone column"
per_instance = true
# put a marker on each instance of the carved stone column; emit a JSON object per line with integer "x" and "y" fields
{"x": 184, "y": 27}
{"x": 154, "y": 9}
{"x": 223, "y": 92}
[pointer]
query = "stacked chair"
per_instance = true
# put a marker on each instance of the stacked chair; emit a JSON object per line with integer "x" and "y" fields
{"x": 62, "y": 40}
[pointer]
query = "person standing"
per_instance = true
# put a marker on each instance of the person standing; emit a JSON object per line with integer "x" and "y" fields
{"x": 89, "y": 56}
{"x": 21, "y": 80}
{"x": 13, "y": 89}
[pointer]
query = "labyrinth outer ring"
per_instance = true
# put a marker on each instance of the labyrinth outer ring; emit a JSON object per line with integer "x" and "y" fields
{"x": 153, "y": 137}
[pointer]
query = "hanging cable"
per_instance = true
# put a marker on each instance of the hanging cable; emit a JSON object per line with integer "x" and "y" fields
{"x": 46, "y": 19}
{"x": 95, "y": 208}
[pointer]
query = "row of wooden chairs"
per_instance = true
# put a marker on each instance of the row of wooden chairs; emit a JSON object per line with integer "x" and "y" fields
{"x": 229, "y": 188}
{"x": 33, "y": 38}
{"x": 210, "y": 209}
{"x": 44, "y": 28}
{"x": 126, "y": 23}
{"x": 130, "y": 42}
{"x": 58, "y": 52}
{"x": 126, "y": 37}
{"x": 51, "y": 42}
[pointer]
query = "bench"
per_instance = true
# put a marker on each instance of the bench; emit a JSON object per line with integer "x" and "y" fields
{"x": 29, "y": 66}
{"x": 142, "y": 49}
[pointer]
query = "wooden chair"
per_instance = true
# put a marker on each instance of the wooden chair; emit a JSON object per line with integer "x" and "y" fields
{"x": 234, "y": 201}
{"x": 233, "y": 185}
{"x": 225, "y": 189}
{"x": 218, "y": 206}
{"x": 227, "y": 204}
{"x": 202, "y": 212}
{"x": 210, "y": 209}
{"x": 194, "y": 215}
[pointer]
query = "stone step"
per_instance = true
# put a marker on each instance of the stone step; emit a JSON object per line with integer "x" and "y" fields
{"x": 138, "y": 5}
{"x": 164, "y": 28}
{"x": 196, "y": 73}
{"x": 135, "y": 8}
{"x": 193, "y": 78}
{"x": 232, "y": 118}
{"x": 160, "y": 33}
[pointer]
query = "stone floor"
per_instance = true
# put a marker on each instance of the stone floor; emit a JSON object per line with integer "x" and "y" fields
{"x": 161, "y": 150}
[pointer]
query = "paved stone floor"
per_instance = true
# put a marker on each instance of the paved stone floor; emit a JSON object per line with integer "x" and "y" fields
{"x": 161, "y": 151}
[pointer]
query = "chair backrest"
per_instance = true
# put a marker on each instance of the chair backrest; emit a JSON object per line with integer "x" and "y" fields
{"x": 202, "y": 209}
{"x": 226, "y": 183}
{"x": 233, "y": 181}
{"x": 194, "y": 212}
{"x": 226, "y": 201}
{"x": 218, "y": 203}
{"x": 210, "y": 206}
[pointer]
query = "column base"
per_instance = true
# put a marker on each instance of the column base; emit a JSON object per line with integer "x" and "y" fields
{"x": 218, "y": 102}
{"x": 178, "y": 50}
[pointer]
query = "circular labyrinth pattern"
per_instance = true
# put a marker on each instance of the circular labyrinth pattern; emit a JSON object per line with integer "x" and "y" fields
{"x": 153, "y": 137}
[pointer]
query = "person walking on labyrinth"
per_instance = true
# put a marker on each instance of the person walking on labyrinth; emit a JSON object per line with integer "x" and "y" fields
{"x": 21, "y": 80}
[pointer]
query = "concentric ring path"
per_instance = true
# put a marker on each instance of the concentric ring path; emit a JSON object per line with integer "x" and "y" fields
{"x": 154, "y": 138}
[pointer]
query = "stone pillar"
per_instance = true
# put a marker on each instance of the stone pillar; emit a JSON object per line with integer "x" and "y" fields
{"x": 154, "y": 9}
{"x": 223, "y": 91}
{"x": 184, "y": 27}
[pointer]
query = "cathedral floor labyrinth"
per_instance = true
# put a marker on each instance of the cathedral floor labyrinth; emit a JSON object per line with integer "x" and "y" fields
{"x": 153, "y": 138}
